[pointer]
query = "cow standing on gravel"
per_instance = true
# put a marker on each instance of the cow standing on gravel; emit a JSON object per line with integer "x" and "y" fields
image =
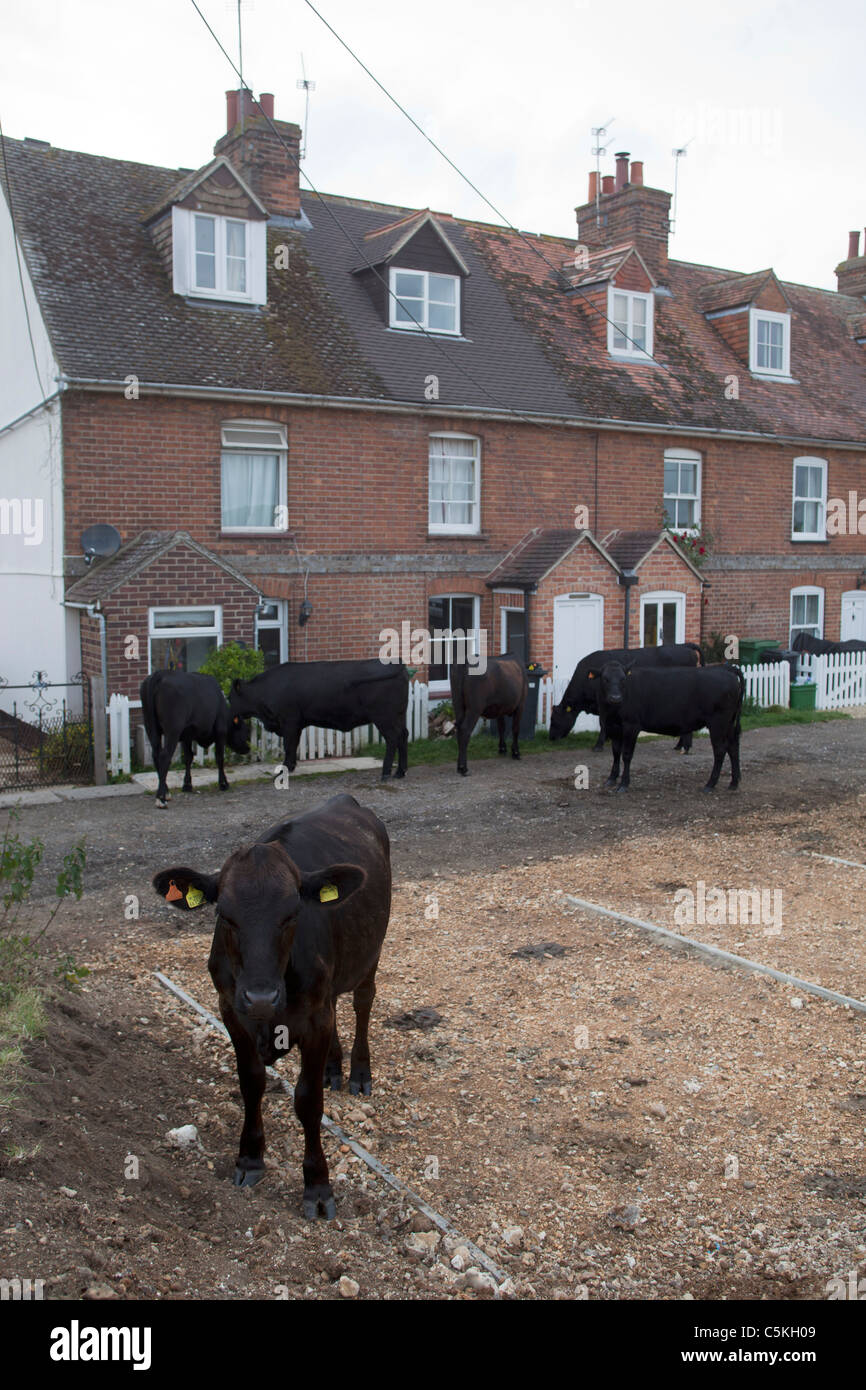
{"x": 329, "y": 695}
{"x": 673, "y": 701}
{"x": 301, "y": 916}
{"x": 580, "y": 695}
{"x": 499, "y": 692}
{"x": 185, "y": 707}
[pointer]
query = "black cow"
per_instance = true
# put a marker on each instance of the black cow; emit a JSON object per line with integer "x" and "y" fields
{"x": 185, "y": 707}
{"x": 818, "y": 646}
{"x": 301, "y": 916}
{"x": 496, "y": 693}
{"x": 672, "y": 701}
{"x": 329, "y": 695}
{"x": 580, "y": 693}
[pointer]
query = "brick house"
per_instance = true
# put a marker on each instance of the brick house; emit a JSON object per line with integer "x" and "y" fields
{"x": 358, "y": 415}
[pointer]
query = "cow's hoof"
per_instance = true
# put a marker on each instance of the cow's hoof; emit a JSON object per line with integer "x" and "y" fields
{"x": 316, "y": 1198}
{"x": 464, "y": 771}
{"x": 361, "y": 1083}
{"x": 622, "y": 788}
{"x": 248, "y": 1177}
{"x": 333, "y": 1077}
{"x": 709, "y": 787}
{"x": 160, "y": 804}
{"x": 611, "y": 782}
{"x": 189, "y": 788}
{"x": 401, "y": 772}
{"x": 225, "y": 786}
{"x": 516, "y": 755}
{"x": 733, "y": 786}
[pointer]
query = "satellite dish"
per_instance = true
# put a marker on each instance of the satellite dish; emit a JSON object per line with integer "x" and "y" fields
{"x": 99, "y": 542}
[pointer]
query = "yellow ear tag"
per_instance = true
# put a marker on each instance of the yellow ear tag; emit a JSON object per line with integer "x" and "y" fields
{"x": 194, "y": 897}
{"x": 328, "y": 893}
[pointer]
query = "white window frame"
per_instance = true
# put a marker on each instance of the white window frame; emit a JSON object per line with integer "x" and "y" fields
{"x": 423, "y": 323}
{"x": 686, "y": 456}
{"x": 821, "y": 533}
{"x": 451, "y": 528}
{"x": 280, "y": 623}
{"x": 183, "y": 258}
{"x": 442, "y": 689}
{"x": 806, "y": 590}
{"x": 282, "y": 452}
{"x": 664, "y": 596}
{"x": 509, "y": 608}
{"x": 635, "y": 354}
{"x": 755, "y": 316}
{"x": 215, "y": 630}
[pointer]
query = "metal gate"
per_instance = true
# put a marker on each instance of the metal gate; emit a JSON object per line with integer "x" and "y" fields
{"x": 42, "y": 741}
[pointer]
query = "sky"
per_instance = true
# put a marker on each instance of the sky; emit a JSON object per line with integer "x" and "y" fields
{"x": 766, "y": 98}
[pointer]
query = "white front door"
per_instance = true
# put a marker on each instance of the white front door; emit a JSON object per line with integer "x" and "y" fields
{"x": 578, "y": 629}
{"x": 853, "y": 616}
{"x": 662, "y": 618}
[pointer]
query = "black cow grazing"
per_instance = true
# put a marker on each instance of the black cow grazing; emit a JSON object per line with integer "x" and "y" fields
{"x": 185, "y": 707}
{"x": 301, "y": 916}
{"x": 497, "y": 693}
{"x": 329, "y": 695}
{"x": 818, "y": 646}
{"x": 672, "y": 701}
{"x": 581, "y": 694}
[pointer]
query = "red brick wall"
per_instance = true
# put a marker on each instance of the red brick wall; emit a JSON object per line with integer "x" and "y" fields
{"x": 357, "y": 483}
{"x": 664, "y": 571}
{"x": 181, "y": 577}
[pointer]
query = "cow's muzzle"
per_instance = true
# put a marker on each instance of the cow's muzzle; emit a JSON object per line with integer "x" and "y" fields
{"x": 259, "y": 1004}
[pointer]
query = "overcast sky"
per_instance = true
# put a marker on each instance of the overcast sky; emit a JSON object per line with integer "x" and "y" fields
{"x": 769, "y": 97}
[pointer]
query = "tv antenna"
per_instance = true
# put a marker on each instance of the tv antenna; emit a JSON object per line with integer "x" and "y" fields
{"x": 598, "y": 150}
{"x": 306, "y": 85}
{"x": 678, "y": 154}
{"x": 99, "y": 542}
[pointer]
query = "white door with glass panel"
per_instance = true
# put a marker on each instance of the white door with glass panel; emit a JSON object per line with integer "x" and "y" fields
{"x": 578, "y": 629}
{"x": 853, "y": 627}
{"x": 662, "y": 619}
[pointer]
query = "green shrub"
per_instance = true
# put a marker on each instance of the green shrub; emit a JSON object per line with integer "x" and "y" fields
{"x": 67, "y": 749}
{"x": 233, "y": 662}
{"x": 19, "y": 950}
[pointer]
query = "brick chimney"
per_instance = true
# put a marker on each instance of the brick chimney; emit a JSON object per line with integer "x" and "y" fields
{"x": 628, "y": 211}
{"x": 267, "y": 160}
{"x": 851, "y": 273}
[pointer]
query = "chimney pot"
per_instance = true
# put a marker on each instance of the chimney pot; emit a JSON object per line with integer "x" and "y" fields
{"x": 853, "y": 245}
{"x": 637, "y": 172}
{"x": 607, "y": 183}
{"x": 621, "y": 169}
{"x": 593, "y": 186}
{"x": 266, "y": 102}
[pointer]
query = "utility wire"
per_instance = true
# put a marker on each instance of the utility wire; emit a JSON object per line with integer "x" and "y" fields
{"x": 475, "y": 189}
{"x": 436, "y": 341}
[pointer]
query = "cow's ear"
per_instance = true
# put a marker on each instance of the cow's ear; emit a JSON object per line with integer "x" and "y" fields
{"x": 186, "y": 888}
{"x": 334, "y": 885}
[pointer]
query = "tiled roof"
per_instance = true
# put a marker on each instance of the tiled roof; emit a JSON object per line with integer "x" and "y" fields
{"x": 106, "y": 575}
{"x": 733, "y": 291}
{"x": 529, "y": 345}
{"x": 628, "y": 548}
{"x": 536, "y": 553}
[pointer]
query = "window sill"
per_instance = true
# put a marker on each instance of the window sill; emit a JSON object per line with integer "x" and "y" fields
{"x": 428, "y": 333}
{"x": 234, "y": 534}
{"x": 810, "y": 540}
{"x": 457, "y": 536}
{"x": 784, "y": 377}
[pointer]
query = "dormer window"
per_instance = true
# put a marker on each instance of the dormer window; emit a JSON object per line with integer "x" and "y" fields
{"x": 630, "y": 324}
{"x": 220, "y": 258}
{"x": 421, "y": 300}
{"x": 770, "y": 342}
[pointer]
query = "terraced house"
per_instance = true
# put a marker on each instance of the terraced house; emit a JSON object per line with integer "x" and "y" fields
{"x": 310, "y": 419}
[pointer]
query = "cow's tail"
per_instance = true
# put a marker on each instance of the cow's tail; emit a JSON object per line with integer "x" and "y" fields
{"x": 147, "y": 692}
{"x": 739, "y": 710}
{"x": 457, "y": 673}
{"x": 695, "y": 648}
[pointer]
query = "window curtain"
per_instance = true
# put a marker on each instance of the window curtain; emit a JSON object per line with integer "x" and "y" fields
{"x": 250, "y": 490}
{"x": 452, "y": 482}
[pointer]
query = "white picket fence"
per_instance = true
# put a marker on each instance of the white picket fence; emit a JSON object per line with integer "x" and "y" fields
{"x": 840, "y": 679}
{"x": 267, "y": 747}
{"x": 769, "y": 684}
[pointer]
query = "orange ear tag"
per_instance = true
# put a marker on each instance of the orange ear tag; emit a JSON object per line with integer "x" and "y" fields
{"x": 174, "y": 894}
